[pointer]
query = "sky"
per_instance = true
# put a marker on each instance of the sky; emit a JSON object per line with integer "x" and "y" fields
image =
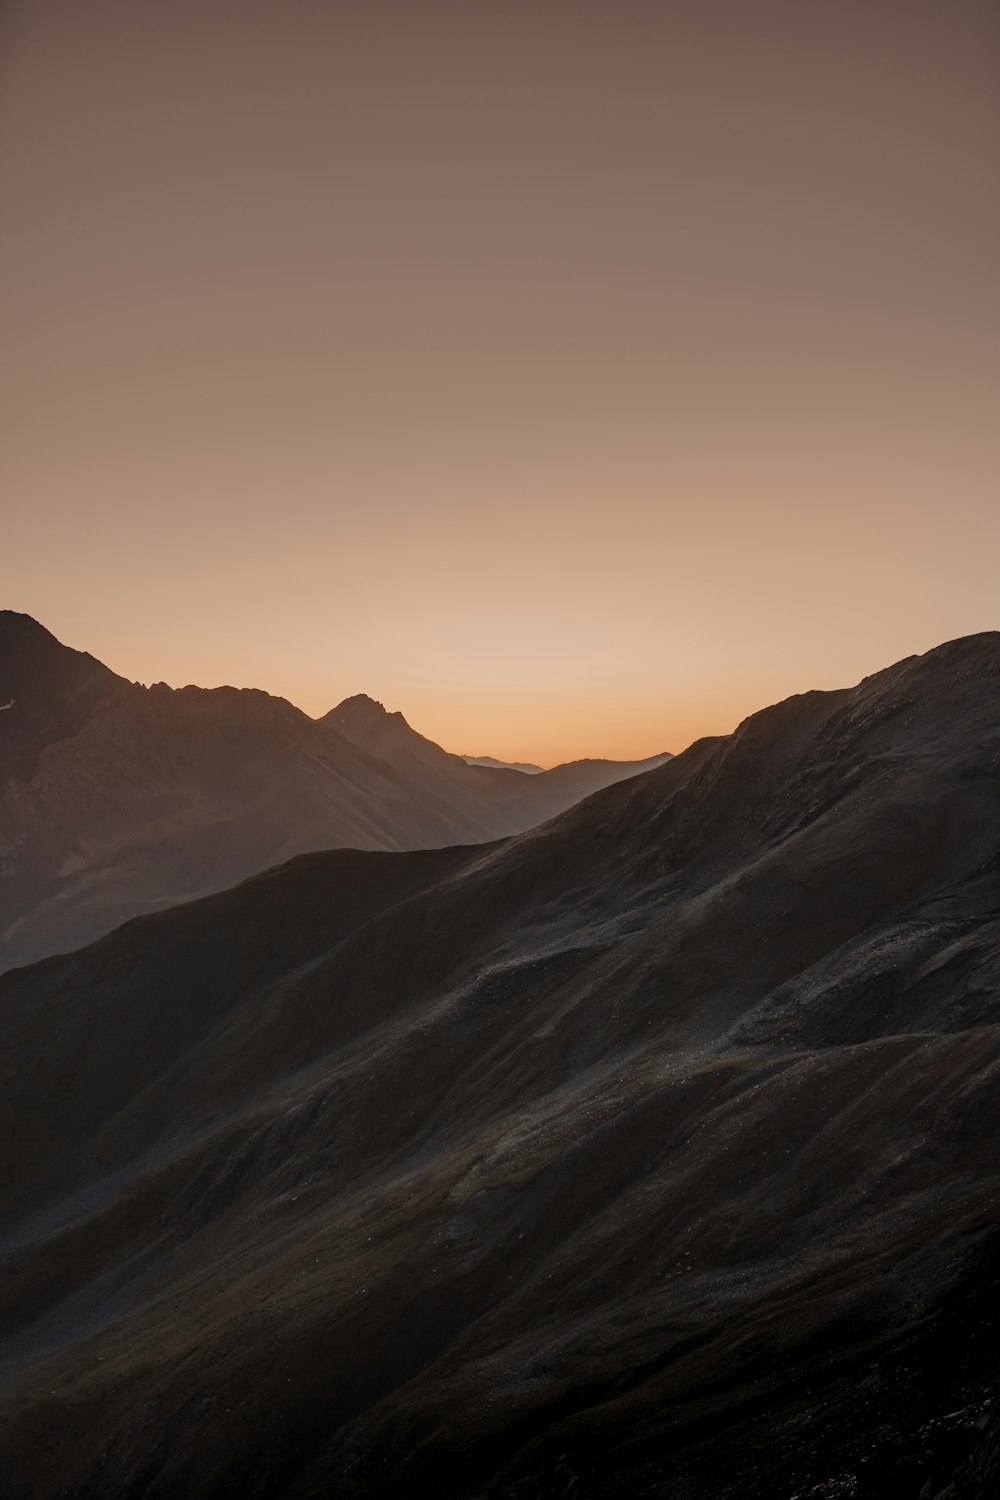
{"x": 576, "y": 377}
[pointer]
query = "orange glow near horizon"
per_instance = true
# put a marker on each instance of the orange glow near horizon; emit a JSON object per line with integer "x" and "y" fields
{"x": 576, "y": 379}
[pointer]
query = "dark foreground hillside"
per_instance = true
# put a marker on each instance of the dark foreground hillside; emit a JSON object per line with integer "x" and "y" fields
{"x": 651, "y": 1153}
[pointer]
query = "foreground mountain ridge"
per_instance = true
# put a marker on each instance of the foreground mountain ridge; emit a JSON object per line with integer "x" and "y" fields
{"x": 117, "y": 799}
{"x": 649, "y": 1153}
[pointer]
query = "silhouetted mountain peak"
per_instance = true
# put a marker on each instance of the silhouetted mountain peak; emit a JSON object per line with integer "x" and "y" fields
{"x": 361, "y": 709}
{"x": 14, "y": 625}
{"x": 359, "y": 702}
{"x": 20, "y": 633}
{"x": 47, "y": 690}
{"x": 368, "y": 724}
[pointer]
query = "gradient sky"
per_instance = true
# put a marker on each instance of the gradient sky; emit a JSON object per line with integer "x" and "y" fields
{"x": 577, "y": 377}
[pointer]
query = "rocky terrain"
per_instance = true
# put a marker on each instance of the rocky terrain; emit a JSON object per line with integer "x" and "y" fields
{"x": 648, "y": 1153}
{"x": 117, "y": 799}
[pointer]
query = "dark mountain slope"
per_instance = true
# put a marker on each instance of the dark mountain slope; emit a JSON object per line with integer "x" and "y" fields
{"x": 116, "y": 799}
{"x": 650, "y": 1153}
{"x": 47, "y": 691}
{"x": 569, "y": 783}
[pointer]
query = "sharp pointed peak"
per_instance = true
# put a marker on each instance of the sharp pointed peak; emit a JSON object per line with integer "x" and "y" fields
{"x": 362, "y": 706}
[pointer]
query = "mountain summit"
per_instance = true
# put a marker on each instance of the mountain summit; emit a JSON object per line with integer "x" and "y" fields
{"x": 359, "y": 710}
{"x": 47, "y": 690}
{"x": 369, "y": 725}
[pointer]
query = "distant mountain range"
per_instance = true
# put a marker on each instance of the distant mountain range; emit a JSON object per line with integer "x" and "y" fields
{"x": 651, "y": 1153}
{"x": 117, "y": 799}
{"x": 504, "y": 765}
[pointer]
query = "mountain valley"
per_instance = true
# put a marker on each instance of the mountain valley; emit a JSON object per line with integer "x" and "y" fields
{"x": 649, "y": 1152}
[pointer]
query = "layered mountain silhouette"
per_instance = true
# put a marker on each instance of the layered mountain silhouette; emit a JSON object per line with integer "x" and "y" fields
{"x": 117, "y": 799}
{"x": 510, "y": 765}
{"x": 648, "y": 1153}
{"x": 366, "y": 724}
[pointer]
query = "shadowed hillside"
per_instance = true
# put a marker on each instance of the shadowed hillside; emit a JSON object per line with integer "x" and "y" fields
{"x": 117, "y": 799}
{"x": 649, "y": 1153}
